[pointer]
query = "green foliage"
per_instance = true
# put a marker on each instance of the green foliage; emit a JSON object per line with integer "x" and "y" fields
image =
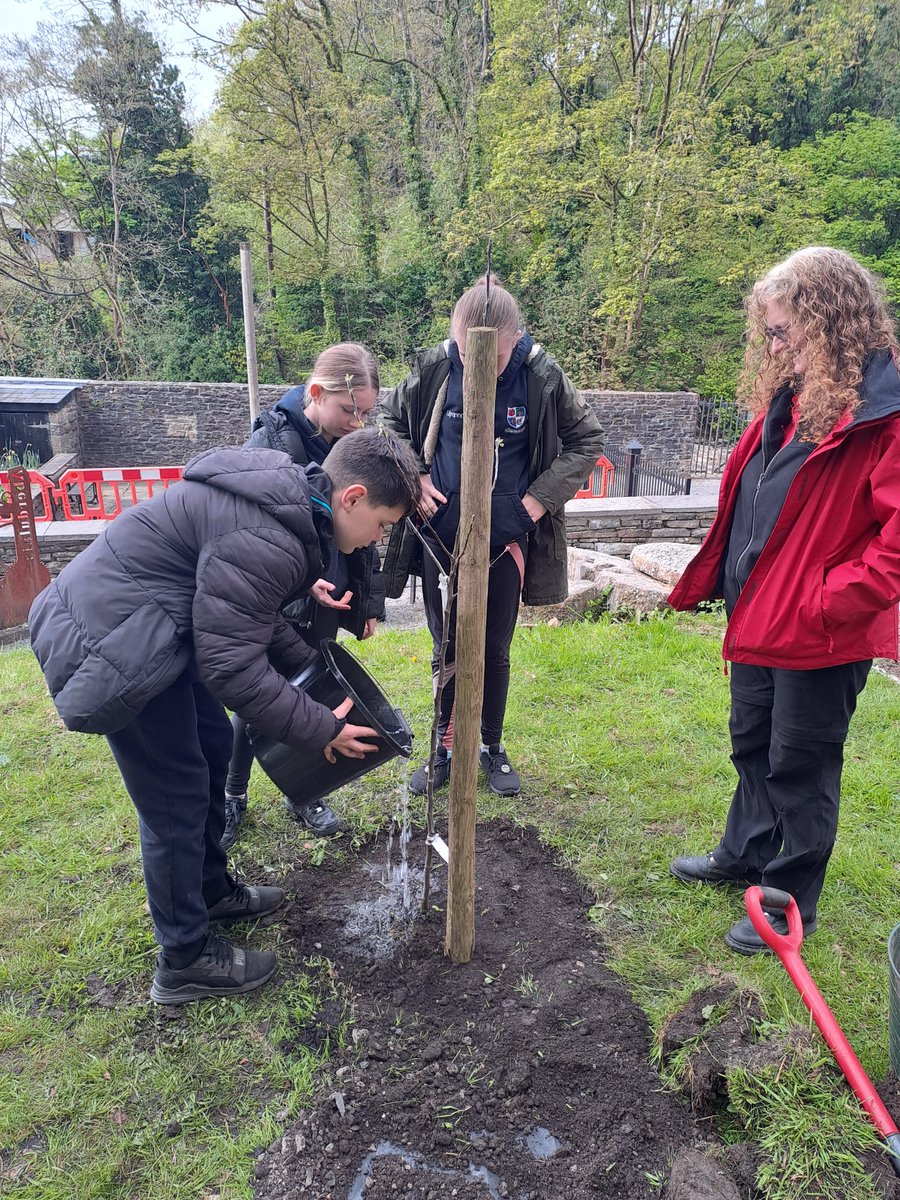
{"x": 636, "y": 167}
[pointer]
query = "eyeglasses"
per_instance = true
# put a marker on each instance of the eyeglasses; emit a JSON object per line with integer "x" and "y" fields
{"x": 777, "y": 333}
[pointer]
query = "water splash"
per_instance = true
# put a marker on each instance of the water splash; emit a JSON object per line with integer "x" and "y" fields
{"x": 420, "y": 1163}
{"x": 381, "y": 923}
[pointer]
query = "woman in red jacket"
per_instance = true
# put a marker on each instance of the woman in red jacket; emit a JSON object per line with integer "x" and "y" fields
{"x": 805, "y": 551}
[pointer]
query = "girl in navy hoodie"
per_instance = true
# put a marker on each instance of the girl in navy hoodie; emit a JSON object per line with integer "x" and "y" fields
{"x": 548, "y": 442}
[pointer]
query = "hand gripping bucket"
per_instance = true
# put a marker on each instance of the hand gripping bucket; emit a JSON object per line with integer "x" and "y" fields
{"x": 329, "y": 679}
{"x": 894, "y": 1000}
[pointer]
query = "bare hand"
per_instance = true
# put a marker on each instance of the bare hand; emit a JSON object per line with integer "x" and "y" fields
{"x": 431, "y": 498}
{"x": 370, "y": 629}
{"x": 321, "y": 592}
{"x": 348, "y": 741}
{"x": 533, "y": 507}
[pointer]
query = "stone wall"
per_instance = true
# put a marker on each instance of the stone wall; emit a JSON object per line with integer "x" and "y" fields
{"x": 617, "y": 526}
{"x": 663, "y": 422}
{"x": 162, "y": 424}
{"x": 610, "y": 526}
{"x": 65, "y": 430}
{"x": 58, "y": 542}
{"x": 111, "y": 424}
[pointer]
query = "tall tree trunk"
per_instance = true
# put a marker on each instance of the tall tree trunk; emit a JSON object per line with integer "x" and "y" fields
{"x": 270, "y": 249}
{"x": 365, "y": 209}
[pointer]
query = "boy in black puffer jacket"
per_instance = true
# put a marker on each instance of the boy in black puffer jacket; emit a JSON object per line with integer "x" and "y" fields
{"x": 173, "y": 613}
{"x": 305, "y": 423}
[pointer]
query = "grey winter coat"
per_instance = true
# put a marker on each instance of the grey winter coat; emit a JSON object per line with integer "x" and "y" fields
{"x": 565, "y": 441}
{"x": 193, "y": 578}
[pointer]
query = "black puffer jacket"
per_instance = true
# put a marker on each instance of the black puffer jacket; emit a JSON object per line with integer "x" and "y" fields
{"x": 194, "y": 578}
{"x": 286, "y": 427}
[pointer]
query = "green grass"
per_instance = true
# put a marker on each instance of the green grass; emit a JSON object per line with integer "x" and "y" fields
{"x": 620, "y": 733}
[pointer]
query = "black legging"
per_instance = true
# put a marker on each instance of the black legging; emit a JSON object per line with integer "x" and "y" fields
{"x": 504, "y": 590}
{"x": 241, "y": 759}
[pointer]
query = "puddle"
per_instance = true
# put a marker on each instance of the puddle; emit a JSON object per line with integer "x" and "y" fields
{"x": 540, "y": 1143}
{"x": 419, "y": 1163}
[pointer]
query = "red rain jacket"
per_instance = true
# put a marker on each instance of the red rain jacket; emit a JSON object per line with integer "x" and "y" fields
{"x": 824, "y": 590}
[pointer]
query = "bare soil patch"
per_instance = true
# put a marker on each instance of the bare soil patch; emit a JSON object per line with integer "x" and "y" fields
{"x": 524, "y": 1073}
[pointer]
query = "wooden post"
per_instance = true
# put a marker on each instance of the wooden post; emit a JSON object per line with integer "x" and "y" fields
{"x": 249, "y": 330}
{"x": 479, "y": 395}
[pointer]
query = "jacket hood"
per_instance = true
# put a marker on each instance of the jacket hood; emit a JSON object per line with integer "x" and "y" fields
{"x": 267, "y": 478}
{"x": 292, "y": 406}
{"x": 293, "y": 402}
{"x": 880, "y": 388}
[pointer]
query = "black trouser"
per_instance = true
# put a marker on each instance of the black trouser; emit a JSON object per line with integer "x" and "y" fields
{"x": 504, "y": 590}
{"x": 173, "y": 758}
{"x": 788, "y": 730}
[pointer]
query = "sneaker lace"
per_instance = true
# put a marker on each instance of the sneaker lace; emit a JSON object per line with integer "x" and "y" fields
{"x": 218, "y": 949}
{"x": 241, "y": 896}
{"x": 499, "y": 761}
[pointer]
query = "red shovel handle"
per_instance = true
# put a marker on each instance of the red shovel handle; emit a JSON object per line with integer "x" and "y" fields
{"x": 787, "y": 947}
{"x": 754, "y": 898}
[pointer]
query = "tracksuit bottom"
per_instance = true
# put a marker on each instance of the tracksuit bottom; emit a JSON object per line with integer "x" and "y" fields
{"x": 504, "y": 590}
{"x": 788, "y": 730}
{"x": 173, "y": 758}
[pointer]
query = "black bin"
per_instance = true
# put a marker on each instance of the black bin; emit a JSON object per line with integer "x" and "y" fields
{"x": 329, "y": 679}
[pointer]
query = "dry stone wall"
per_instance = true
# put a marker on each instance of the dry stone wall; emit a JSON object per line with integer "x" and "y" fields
{"x": 663, "y": 422}
{"x": 113, "y": 424}
{"x": 162, "y": 424}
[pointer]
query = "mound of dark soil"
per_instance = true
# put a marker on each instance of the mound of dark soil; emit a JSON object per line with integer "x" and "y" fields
{"x": 524, "y": 1073}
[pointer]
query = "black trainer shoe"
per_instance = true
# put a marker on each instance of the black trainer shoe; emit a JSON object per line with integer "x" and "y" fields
{"x": 319, "y": 819}
{"x": 418, "y": 781}
{"x": 221, "y": 970}
{"x": 744, "y": 938}
{"x": 703, "y": 868}
{"x": 502, "y": 779}
{"x": 235, "y": 807}
{"x": 247, "y": 903}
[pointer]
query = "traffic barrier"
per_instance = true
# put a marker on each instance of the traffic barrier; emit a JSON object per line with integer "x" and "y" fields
{"x": 43, "y": 494}
{"x": 100, "y": 493}
{"x": 598, "y": 482}
{"x": 95, "y": 494}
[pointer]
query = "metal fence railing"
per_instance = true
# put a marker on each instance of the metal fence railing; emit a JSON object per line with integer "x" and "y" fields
{"x": 639, "y": 474}
{"x": 720, "y": 423}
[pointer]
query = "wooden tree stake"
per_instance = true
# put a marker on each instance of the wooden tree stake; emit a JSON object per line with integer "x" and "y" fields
{"x": 479, "y": 394}
{"x": 249, "y": 330}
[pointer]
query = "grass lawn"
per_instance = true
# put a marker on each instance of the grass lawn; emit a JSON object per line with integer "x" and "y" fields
{"x": 620, "y": 733}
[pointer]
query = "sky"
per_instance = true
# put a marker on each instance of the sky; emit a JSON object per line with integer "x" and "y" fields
{"x": 22, "y": 17}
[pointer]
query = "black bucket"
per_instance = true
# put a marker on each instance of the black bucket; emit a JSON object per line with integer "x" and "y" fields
{"x": 334, "y": 675}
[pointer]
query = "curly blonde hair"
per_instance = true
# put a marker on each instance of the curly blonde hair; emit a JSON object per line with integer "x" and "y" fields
{"x": 838, "y": 308}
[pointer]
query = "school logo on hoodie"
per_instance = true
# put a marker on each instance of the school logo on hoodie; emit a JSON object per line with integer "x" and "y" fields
{"x": 515, "y": 417}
